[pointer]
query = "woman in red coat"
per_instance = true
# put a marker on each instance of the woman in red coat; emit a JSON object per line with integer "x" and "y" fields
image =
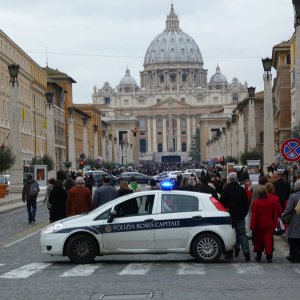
{"x": 263, "y": 222}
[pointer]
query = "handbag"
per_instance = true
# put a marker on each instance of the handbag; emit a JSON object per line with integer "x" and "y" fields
{"x": 297, "y": 208}
{"x": 286, "y": 219}
{"x": 280, "y": 229}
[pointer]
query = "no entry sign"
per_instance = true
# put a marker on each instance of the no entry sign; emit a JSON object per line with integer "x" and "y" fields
{"x": 290, "y": 150}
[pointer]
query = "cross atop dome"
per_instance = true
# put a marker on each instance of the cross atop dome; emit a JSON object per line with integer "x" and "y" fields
{"x": 172, "y": 22}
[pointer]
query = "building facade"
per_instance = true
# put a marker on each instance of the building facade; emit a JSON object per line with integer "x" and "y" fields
{"x": 173, "y": 99}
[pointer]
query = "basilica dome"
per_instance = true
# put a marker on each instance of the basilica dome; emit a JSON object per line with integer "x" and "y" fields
{"x": 218, "y": 78}
{"x": 173, "y": 45}
{"x": 127, "y": 80}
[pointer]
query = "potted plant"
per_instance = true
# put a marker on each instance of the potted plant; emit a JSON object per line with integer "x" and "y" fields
{"x": 7, "y": 160}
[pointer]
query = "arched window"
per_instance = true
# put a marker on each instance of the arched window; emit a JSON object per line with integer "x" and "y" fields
{"x": 183, "y": 147}
{"x": 159, "y": 147}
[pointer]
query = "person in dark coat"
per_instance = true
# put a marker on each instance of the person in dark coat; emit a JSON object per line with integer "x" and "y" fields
{"x": 69, "y": 182}
{"x": 203, "y": 187}
{"x": 282, "y": 189}
{"x": 105, "y": 193}
{"x": 235, "y": 199}
{"x": 58, "y": 201}
{"x": 30, "y": 200}
{"x": 293, "y": 230}
{"x": 264, "y": 219}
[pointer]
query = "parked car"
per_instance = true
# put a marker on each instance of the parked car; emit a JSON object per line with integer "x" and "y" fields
{"x": 98, "y": 178}
{"x": 139, "y": 177}
{"x": 149, "y": 222}
{"x": 167, "y": 175}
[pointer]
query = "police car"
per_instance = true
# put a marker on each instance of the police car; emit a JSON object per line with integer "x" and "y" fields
{"x": 155, "y": 221}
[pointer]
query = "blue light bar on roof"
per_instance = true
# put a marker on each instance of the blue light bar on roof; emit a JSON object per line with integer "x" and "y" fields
{"x": 166, "y": 185}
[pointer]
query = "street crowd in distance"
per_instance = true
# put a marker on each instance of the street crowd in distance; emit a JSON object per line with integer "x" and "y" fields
{"x": 258, "y": 210}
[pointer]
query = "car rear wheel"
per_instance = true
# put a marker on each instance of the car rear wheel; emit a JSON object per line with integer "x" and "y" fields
{"x": 206, "y": 248}
{"x": 81, "y": 249}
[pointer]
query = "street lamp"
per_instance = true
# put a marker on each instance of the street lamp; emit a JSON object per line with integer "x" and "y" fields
{"x": 13, "y": 70}
{"x": 251, "y": 93}
{"x": 49, "y": 98}
{"x": 267, "y": 64}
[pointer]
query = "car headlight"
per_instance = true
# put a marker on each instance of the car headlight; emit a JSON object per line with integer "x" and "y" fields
{"x": 53, "y": 228}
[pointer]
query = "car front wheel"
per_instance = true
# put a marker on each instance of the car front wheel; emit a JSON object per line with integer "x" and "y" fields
{"x": 81, "y": 249}
{"x": 206, "y": 248}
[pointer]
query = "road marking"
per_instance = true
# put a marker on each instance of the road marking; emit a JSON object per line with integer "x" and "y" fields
{"x": 82, "y": 270}
{"x": 136, "y": 269}
{"x": 38, "y": 228}
{"x": 26, "y": 271}
{"x": 190, "y": 269}
{"x": 297, "y": 270}
{"x": 248, "y": 269}
{"x": 21, "y": 239}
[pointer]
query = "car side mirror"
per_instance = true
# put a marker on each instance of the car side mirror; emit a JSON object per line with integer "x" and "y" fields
{"x": 111, "y": 217}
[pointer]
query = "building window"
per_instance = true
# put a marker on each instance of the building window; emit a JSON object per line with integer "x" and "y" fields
{"x": 106, "y": 100}
{"x": 214, "y": 132}
{"x": 126, "y": 102}
{"x": 182, "y": 100}
{"x": 183, "y": 147}
{"x": 161, "y": 78}
{"x": 288, "y": 59}
{"x": 141, "y": 101}
{"x": 184, "y": 77}
{"x": 235, "y": 97}
{"x": 142, "y": 145}
{"x": 158, "y": 100}
{"x": 216, "y": 99}
{"x": 261, "y": 137}
{"x": 159, "y": 147}
{"x": 173, "y": 78}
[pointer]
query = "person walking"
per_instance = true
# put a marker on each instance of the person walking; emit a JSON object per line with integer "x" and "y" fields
{"x": 69, "y": 182}
{"x": 235, "y": 199}
{"x": 58, "y": 201}
{"x": 79, "y": 199}
{"x": 282, "y": 188}
{"x": 51, "y": 182}
{"x": 104, "y": 193}
{"x": 203, "y": 187}
{"x": 264, "y": 219}
{"x": 29, "y": 194}
{"x": 293, "y": 230}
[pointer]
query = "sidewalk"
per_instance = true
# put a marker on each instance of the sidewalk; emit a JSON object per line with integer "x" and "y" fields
{"x": 14, "y": 201}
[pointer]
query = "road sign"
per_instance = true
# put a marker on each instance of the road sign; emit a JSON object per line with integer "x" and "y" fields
{"x": 290, "y": 150}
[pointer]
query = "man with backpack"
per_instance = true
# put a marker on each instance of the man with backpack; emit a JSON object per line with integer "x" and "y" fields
{"x": 29, "y": 194}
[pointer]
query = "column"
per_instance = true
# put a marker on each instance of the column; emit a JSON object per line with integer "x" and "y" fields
{"x": 178, "y": 134}
{"x": 241, "y": 133}
{"x": 51, "y": 140}
{"x": 71, "y": 142}
{"x": 96, "y": 155}
{"x": 170, "y": 127}
{"x": 193, "y": 125}
{"x": 154, "y": 135}
{"x": 295, "y": 114}
{"x": 85, "y": 137}
{"x": 164, "y": 133}
{"x": 188, "y": 133}
{"x": 251, "y": 126}
{"x": 110, "y": 148}
{"x": 149, "y": 134}
{"x": 16, "y": 172}
{"x": 269, "y": 144}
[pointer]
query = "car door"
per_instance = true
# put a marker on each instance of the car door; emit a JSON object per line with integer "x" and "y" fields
{"x": 179, "y": 217}
{"x": 133, "y": 227}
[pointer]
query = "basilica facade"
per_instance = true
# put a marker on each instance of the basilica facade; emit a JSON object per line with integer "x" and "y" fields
{"x": 156, "y": 120}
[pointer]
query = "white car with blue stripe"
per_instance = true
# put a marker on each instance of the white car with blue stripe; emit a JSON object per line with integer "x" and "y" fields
{"x": 149, "y": 222}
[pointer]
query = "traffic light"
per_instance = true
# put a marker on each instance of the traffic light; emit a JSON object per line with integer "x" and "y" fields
{"x": 134, "y": 131}
{"x": 81, "y": 164}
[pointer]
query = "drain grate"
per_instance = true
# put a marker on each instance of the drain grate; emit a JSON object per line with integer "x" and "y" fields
{"x": 126, "y": 296}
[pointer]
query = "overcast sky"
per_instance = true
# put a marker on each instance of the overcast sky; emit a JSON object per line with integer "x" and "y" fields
{"x": 93, "y": 41}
